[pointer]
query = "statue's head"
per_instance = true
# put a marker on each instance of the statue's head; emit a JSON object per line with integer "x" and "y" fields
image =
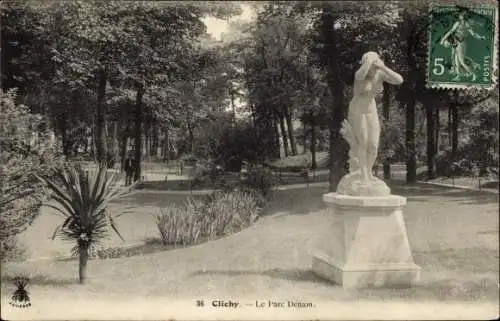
{"x": 369, "y": 57}
{"x": 462, "y": 16}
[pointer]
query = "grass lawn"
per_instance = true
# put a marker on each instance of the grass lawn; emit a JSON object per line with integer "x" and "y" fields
{"x": 453, "y": 234}
{"x": 303, "y": 160}
{"x": 468, "y": 181}
{"x": 284, "y": 178}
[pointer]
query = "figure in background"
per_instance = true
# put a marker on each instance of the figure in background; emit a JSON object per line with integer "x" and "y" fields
{"x": 362, "y": 128}
{"x": 129, "y": 170}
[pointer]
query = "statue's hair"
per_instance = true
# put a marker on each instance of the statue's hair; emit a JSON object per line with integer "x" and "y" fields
{"x": 369, "y": 57}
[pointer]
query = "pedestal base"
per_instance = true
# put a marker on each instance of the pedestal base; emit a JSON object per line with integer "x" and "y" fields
{"x": 368, "y": 244}
{"x": 365, "y": 276}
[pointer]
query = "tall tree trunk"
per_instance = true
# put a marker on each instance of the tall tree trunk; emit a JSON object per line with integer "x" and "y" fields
{"x": 431, "y": 148}
{"x": 281, "y": 122}
{"x": 454, "y": 133}
{"x": 314, "y": 164}
{"x": 276, "y": 138}
{"x": 252, "y": 107}
{"x": 386, "y": 106}
{"x": 82, "y": 265}
{"x": 166, "y": 157}
{"x": 304, "y": 129}
{"x": 92, "y": 141}
{"x": 147, "y": 132}
{"x": 233, "y": 107}
{"x": 291, "y": 134}
{"x": 101, "y": 146}
{"x": 437, "y": 129}
{"x": 114, "y": 148}
{"x": 191, "y": 139}
{"x": 450, "y": 125}
{"x": 411, "y": 161}
{"x": 124, "y": 145}
{"x": 338, "y": 147}
{"x": 63, "y": 127}
{"x": 138, "y": 130}
{"x": 156, "y": 139}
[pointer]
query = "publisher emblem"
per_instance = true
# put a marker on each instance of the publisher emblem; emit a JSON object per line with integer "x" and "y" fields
{"x": 20, "y": 297}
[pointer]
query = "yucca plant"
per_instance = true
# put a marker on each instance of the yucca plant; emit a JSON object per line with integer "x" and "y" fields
{"x": 82, "y": 197}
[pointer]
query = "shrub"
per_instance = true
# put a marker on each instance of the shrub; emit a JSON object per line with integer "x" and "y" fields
{"x": 188, "y": 159}
{"x": 208, "y": 173}
{"x": 238, "y": 144}
{"x": 25, "y": 151}
{"x": 231, "y": 211}
{"x": 11, "y": 251}
{"x": 221, "y": 213}
{"x": 259, "y": 198}
{"x": 261, "y": 179}
{"x": 445, "y": 166}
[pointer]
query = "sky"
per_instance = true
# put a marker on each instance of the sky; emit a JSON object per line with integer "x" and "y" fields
{"x": 216, "y": 27}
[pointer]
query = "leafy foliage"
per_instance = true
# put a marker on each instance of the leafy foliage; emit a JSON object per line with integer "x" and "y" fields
{"x": 25, "y": 151}
{"x": 223, "y": 213}
{"x": 82, "y": 198}
{"x": 261, "y": 179}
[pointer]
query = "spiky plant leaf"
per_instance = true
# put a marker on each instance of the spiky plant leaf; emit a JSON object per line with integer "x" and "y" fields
{"x": 83, "y": 196}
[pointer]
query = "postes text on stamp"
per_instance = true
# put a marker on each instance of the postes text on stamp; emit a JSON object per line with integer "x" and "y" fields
{"x": 462, "y": 47}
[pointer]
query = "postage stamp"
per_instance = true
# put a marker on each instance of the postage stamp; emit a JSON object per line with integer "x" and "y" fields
{"x": 462, "y": 47}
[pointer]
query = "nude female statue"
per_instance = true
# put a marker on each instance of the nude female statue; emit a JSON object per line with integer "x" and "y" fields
{"x": 362, "y": 116}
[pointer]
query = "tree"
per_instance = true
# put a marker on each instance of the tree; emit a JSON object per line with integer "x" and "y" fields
{"x": 82, "y": 198}
{"x": 344, "y": 32}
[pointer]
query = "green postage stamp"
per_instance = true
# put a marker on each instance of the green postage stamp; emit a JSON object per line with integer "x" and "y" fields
{"x": 462, "y": 47}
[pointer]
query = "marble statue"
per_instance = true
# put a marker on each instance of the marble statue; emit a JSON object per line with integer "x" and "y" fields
{"x": 361, "y": 129}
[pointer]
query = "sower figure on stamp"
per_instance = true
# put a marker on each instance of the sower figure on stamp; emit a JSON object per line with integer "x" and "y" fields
{"x": 455, "y": 38}
{"x": 362, "y": 127}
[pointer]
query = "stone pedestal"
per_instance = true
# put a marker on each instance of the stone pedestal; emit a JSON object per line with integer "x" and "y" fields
{"x": 368, "y": 245}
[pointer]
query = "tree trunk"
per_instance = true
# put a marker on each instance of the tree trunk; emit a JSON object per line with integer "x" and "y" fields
{"x": 281, "y": 122}
{"x": 252, "y": 107}
{"x": 156, "y": 139}
{"x": 338, "y": 147}
{"x": 147, "y": 132}
{"x": 276, "y": 138}
{"x": 454, "y": 133}
{"x": 431, "y": 148}
{"x": 101, "y": 146}
{"x": 437, "y": 130}
{"x": 291, "y": 134}
{"x": 411, "y": 162}
{"x": 191, "y": 139}
{"x": 314, "y": 164}
{"x": 233, "y": 107}
{"x": 123, "y": 146}
{"x": 450, "y": 124}
{"x": 304, "y": 128}
{"x": 92, "y": 142}
{"x": 63, "y": 127}
{"x": 114, "y": 143}
{"x": 138, "y": 130}
{"x": 82, "y": 266}
{"x": 166, "y": 156}
{"x": 386, "y": 106}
